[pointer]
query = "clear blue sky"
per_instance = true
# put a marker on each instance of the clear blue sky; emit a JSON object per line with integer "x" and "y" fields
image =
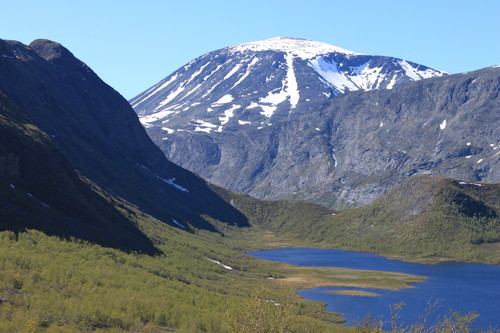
{"x": 133, "y": 44}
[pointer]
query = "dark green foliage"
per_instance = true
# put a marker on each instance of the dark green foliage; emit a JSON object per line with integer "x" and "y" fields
{"x": 424, "y": 217}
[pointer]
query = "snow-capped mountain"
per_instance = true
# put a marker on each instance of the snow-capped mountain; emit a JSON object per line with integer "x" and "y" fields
{"x": 258, "y": 83}
{"x": 294, "y": 118}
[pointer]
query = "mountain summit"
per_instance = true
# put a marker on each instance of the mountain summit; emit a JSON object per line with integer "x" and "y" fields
{"x": 258, "y": 83}
{"x": 294, "y": 118}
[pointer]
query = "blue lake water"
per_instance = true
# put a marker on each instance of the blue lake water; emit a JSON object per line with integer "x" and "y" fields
{"x": 459, "y": 286}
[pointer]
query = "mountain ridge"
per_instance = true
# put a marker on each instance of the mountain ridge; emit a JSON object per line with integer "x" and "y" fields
{"x": 99, "y": 133}
{"x": 257, "y": 83}
{"x": 298, "y": 149}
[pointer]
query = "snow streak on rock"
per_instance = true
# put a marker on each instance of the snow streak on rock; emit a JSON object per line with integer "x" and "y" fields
{"x": 263, "y": 82}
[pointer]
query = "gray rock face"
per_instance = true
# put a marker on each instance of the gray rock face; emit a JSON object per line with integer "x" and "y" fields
{"x": 359, "y": 145}
{"x": 99, "y": 133}
{"x": 221, "y": 116}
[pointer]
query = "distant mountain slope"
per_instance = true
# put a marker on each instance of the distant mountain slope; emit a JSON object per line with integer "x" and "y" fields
{"x": 99, "y": 133}
{"x": 423, "y": 217}
{"x": 256, "y": 84}
{"x": 40, "y": 190}
{"x": 353, "y": 148}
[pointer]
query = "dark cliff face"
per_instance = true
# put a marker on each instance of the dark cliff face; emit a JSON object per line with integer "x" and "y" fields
{"x": 358, "y": 145}
{"x": 99, "y": 133}
{"x": 39, "y": 189}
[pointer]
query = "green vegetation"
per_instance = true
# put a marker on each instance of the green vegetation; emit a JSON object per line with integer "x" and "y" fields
{"x": 353, "y": 293}
{"x": 425, "y": 218}
{"x": 65, "y": 286}
{"x": 200, "y": 281}
{"x": 453, "y": 322}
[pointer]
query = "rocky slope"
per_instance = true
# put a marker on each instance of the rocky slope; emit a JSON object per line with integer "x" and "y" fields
{"x": 339, "y": 151}
{"x": 39, "y": 189}
{"x": 100, "y": 135}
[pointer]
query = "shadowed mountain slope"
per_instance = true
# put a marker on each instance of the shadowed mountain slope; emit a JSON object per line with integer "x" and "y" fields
{"x": 39, "y": 189}
{"x": 99, "y": 133}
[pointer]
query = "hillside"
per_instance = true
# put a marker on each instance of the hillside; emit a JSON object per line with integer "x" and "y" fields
{"x": 98, "y": 132}
{"x": 423, "y": 217}
{"x": 40, "y": 190}
{"x": 360, "y": 144}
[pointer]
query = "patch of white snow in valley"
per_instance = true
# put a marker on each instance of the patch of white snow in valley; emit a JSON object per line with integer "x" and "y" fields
{"x": 253, "y": 105}
{"x": 203, "y": 126}
{"x": 468, "y": 143}
{"x": 292, "y": 86}
{"x": 368, "y": 78}
{"x": 179, "y": 224}
{"x": 223, "y": 100}
{"x": 330, "y": 73}
{"x": 317, "y": 129}
{"x": 170, "y": 97}
{"x": 443, "y": 125}
{"x": 242, "y": 122}
{"x": 145, "y": 120}
{"x": 468, "y": 156}
{"x": 169, "y": 130}
{"x": 270, "y": 102}
{"x": 232, "y": 71}
{"x": 467, "y": 183}
{"x": 228, "y": 114}
{"x": 248, "y": 72}
{"x": 479, "y": 161}
{"x": 169, "y": 181}
{"x": 158, "y": 87}
{"x": 416, "y": 74}
{"x": 381, "y": 124}
{"x": 305, "y": 49}
{"x": 219, "y": 263}
{"x": 36, "y": 199}
{"x": 392, "y": 83}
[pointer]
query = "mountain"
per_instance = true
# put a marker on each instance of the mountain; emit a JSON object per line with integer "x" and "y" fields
{"x": 339, "y": 142}
{"x": 99, "y": 134}
{"x": 256, "y": 84}
{"x": 39, "y": 189}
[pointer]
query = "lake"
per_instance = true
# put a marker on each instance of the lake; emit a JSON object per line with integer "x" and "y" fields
{"x": 459, "y": 286}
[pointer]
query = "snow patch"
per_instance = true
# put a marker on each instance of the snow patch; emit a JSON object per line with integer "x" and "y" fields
{"x": 219, "y": 263}
{"x": 304, "y": 49}
{"x": 480, "y": 160}
{"x": 169, "y": 130}
{"x": 179, "y": 224}
{"x": 36, "y": 199}
{"x": 169, "y": 181}
{"x": 146, "y": 120}
{"x": 12, "y": 186}
{"x": 203, "y": 126}
{"x": 224, "y": 100}
{"x": 158, "y": 87}
{"x": 292, "y": 86}
{"x": 442, "y": 126}
{"x": 232, "y": 71}
{"x": 242, "y": 122}
{"x": 247, "y": 73}
{"x": 228, "y": 114}
{"x": 467, "y": 183}
{"x": 415, "y": 74}
{"x": 329, "y": 71}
